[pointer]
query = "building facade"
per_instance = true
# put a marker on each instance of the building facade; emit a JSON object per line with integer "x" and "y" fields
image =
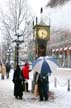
{"x": 60, "y": 46}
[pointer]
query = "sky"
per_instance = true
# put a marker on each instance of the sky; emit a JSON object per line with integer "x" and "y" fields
{"x": 59, "y": 16}
{"x": 36, "y": 5}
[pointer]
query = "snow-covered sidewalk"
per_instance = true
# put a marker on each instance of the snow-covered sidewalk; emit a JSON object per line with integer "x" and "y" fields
{"x": 62, "y": 97}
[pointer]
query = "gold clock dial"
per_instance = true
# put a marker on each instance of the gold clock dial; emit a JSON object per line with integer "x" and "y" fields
{"x": 42, "y": 33}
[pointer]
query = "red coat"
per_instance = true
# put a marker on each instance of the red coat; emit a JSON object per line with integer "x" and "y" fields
{"x": 25, "y": 71}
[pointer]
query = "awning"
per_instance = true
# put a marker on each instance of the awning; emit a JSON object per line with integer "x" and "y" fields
{"x": 69, "y": 48}
{"x": 53, "y": 50}
{"x": 61, "y": 49}
{"x": 65, "y": 48}
{"x": 57, "y": 49}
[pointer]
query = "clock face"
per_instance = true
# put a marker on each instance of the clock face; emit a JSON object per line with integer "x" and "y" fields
{"x": 42, "y": 33}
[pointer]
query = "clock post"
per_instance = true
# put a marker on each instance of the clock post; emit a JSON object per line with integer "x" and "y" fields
{"x": 41, "y": 33}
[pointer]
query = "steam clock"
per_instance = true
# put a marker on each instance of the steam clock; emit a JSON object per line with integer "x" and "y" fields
{"x": 41, "y": 33}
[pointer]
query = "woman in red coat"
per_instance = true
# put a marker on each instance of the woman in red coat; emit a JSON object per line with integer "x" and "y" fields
{"x": 25, "y": 71}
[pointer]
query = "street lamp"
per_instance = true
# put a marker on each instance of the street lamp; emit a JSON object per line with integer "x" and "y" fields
{"x": 41, "y": 33}
{"x": 18, "y": 42}
{"x": 9, "y": 51}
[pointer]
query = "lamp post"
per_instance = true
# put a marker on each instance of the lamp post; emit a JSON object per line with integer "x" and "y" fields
{"x": 9, "y": 51}
{"x": 18, "y": 42}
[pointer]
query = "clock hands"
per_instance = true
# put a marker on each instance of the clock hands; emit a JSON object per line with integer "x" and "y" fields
{"x": 43, "y": 35}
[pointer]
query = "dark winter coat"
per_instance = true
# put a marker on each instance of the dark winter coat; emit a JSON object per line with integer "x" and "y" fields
{"x": 18, "y": 82}
{"x": 43, "y": 88}
{"x": 8, "y": 67}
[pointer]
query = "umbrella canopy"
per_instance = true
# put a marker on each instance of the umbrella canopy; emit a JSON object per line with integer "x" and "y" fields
{"x": 45, "y": 64}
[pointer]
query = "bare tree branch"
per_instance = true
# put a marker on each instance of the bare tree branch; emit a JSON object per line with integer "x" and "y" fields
{"x": 18, "y": 14}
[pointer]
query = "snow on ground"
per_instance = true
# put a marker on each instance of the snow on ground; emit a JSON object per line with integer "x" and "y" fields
{"x": 61, "y": 98}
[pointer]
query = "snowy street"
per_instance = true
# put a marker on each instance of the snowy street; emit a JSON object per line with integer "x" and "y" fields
{"x": 61, "y": 98}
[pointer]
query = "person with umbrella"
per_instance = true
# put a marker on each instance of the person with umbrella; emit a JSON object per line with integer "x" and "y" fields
{"x": 44, "y": 66}
{"x": 43, "y": 86}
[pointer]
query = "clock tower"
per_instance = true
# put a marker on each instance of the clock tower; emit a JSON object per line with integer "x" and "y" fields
{"x": 41, "y": 34}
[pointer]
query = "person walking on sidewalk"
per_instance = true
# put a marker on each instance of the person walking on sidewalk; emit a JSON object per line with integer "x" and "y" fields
{"x": 18, "y": 83}
{"x": 3, "y": 71}
{"x": 8, "y": 67}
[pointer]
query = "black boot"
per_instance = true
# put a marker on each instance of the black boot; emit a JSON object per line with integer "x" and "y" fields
{"x": 20, "y": 97}
{"x": 16, "y": 97}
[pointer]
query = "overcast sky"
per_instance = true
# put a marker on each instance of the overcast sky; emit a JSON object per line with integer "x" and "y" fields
{"x": 59, "y": 16}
